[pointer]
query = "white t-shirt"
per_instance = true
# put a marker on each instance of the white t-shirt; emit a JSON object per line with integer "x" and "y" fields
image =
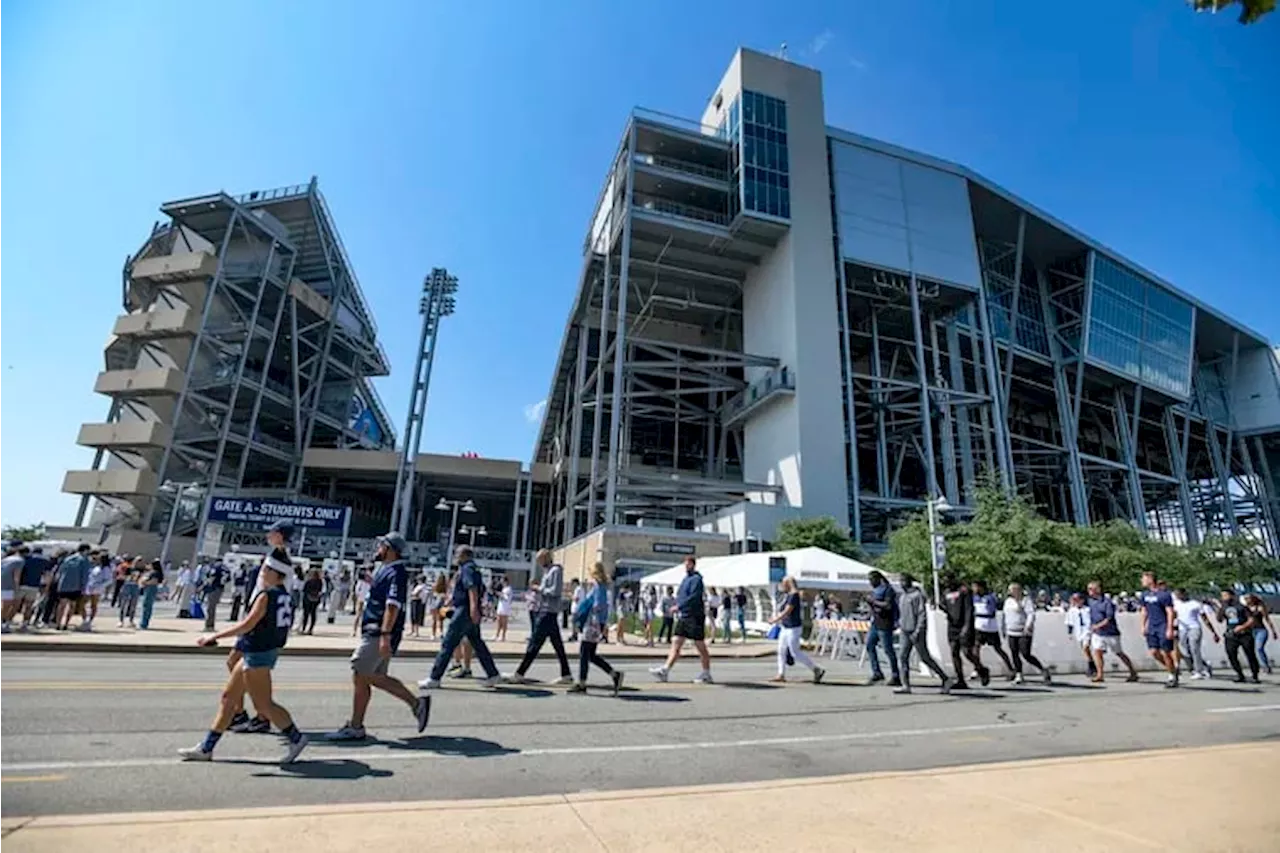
{"x": 713, "y": 601}
{"x": 504, "y": 601}
{"x": 1188, "y": 613}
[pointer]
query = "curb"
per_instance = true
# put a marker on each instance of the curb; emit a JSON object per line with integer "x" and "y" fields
{"x": 613, "y": 652}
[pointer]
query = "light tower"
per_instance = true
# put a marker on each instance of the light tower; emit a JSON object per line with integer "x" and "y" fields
{"x": 438, "y": 301}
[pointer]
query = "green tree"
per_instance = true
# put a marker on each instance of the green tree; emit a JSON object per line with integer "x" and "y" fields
{"x": 24, "y": 532}
{"x": 821, "y": 532}
{"x": 1250, "y": 10}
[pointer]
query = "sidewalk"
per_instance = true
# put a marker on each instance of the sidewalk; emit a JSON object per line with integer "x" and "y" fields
{"x": 170, "y": 635}
{"x": 1128, "y": 801}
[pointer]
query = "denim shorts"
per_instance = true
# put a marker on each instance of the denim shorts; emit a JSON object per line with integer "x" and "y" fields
{"x": 1158, "y": 642}
{"x": 261, "y": 660}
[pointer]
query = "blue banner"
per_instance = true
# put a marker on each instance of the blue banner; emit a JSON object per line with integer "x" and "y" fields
{"x": 265, "y": 511}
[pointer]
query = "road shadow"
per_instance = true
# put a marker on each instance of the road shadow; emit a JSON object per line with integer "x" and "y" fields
{"x": 640, "y": 696}
{"x": 345, "y": 769}
{"x": 1021, "y": 689}
{"x": 458, "y": 746}
{"x": 749, "y": 685}
{"x": 1068, "y": 685}
{"x": 974, "y": 694}
{"x": 523, "y": 692}
{"x": 1252, "y": 691}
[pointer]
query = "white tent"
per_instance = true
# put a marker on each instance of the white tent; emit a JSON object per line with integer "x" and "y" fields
{"x": 813, "y": 568}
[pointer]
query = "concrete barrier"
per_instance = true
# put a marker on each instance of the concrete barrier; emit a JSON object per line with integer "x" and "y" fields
{"x": 1061, "y": 653}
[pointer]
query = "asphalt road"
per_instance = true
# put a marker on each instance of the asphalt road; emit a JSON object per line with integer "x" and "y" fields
{"x": 98, "y": 733}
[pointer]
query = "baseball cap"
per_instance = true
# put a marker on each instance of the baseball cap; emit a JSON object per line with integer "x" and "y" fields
{"x": 284, "y": 528}
{"x": 395, "y": 542}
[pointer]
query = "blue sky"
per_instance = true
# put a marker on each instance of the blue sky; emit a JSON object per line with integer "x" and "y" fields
{"x": 475, "y": 136}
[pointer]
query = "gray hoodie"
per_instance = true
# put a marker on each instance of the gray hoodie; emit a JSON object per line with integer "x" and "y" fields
{"x": 913, "y": 614}
{"x": 551, "y": 589}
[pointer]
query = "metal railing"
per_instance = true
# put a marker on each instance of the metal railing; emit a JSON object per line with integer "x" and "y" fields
{"x": 272, "y": 195}
{"x": 684, "y": 166}
{"x": 679, "y": 123}
{"x": 674, "y": 208}
{"x": 778, "y": 379}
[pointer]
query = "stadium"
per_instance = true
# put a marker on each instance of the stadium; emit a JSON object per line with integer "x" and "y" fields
{"x": 774, "y": 318}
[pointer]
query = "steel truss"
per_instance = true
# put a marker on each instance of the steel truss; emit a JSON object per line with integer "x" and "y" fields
{"x": 279, "y": 343}
{"x": 939, "y": 401}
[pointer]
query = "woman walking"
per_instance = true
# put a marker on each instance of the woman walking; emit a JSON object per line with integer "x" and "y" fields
{"x": 1263, "y": 628}
{"x": 506, "y": 598}
{"x": 649, "y": 612}
{"x": 129, "y": 591}
{"x": 152, "y": 580}
{"x": 1019, "y": 623}
{"x": 438, "y": 590}
{"x": 592, "y": 619}
{"x": 312, "y": 592}
{"x": 791, "y": 622}
{"x": 260, "y": 637}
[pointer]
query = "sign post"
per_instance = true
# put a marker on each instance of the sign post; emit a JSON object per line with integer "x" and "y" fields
{"x": 342, "y": 549}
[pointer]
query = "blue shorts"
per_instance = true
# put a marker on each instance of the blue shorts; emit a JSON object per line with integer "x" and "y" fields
{"x": 1158, "y": 642}
{"x": 261, "y": 660}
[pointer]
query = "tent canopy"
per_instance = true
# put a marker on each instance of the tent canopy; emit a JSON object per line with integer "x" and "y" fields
{"x": 813, "y": 568}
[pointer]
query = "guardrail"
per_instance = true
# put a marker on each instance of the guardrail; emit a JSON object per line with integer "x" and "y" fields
{"x": 674, "y": 208}
{"x": 684, "y": 166}
{"x": 677, "y": 122}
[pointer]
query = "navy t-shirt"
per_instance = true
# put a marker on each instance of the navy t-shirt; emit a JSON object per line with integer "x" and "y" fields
{"x": 469, "y": 578}
{"x": 1155, "y": 602}
{"x": 272, "y": 630}
{"x": 795, "y": 618}
{"x": 1103, "y": 608}
{"x": 33, "y": 569}
{"x": 390, "y": 585}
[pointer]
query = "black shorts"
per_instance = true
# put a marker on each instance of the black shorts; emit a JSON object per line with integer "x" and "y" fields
{"x": 988, "y": 638}
{"x": 691, "y": 629}
{"x": 73, "y": 595}
{"x": 960, "y": 643}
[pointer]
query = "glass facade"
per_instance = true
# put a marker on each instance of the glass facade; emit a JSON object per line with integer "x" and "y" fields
{"x": 1140, "y": 329}
{"x": 766, "y": 181}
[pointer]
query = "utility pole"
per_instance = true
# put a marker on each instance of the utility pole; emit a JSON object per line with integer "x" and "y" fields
{"x": 438, "y": 301}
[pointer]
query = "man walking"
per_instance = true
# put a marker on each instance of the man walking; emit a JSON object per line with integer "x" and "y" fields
{"x": 986, "y": 624}
{"x": 691, "y": 624}
{"x": 215, "y": 581}
{"x": 10, "y": 571}
{"x": 382, "y": 626}
{"x": 73, "y": 576}
{"x": 1158, "y": 619}
{"x": 958, "y": 604}
{"x": 548, "y": 604}
{"x": 1104, "y": 633}
{"x": 1077, "y": 622}
{"x": 1237, "y": 634}
{"x": 1191, "y": 618}
{"x": 913, "y": 620}
{"x": 468, "y": 592}
{"x": 884, "y": 617}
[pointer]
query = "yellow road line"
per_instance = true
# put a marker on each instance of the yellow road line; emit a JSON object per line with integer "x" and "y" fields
{"x": 53, "y": 777}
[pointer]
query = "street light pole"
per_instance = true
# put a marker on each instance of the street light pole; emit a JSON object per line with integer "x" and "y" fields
{"x": 937, "y": 545}
{"x": 444, "y": 505}
{"x": 178, "y": 489}
{"x": 473, "y": 531}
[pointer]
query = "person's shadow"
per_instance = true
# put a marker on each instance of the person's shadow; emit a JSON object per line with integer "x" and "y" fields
{"x": 325, "y": 768}
{"x": 452, "y": 746}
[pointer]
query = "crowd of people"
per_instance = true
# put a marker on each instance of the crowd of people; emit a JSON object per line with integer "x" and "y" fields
{"x": 389, "y": 597}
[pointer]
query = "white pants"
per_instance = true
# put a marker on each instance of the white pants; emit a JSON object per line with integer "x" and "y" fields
{"x": 789, "y": 640}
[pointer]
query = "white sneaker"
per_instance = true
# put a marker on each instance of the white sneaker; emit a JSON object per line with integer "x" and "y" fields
{"x": 1197, "y": 676}
{"x": 514, "y": 678}
{"x": 195, "y": 753}
{"x": 703, "y": 677}
{"x": 658, "y": 672}
{"x": 348, "y": 732}
{"x": 490, "y": 681}
{"x": 564, "y": 679}
{"x": 429, "y": 683}
{"x": 294, "y": 750}
{"x": 1017, "y": 678}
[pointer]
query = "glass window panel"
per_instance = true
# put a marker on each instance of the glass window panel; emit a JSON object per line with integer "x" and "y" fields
{"x": 768, "y": 112}
{"x": 782, "y": 157}
{"x": 782, "y": 117}
{"x": 748, "y": 107}
{"x": 786, "y": 205}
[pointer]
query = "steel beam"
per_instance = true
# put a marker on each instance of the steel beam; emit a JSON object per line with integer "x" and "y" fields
{"x": 620, "y": 336}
